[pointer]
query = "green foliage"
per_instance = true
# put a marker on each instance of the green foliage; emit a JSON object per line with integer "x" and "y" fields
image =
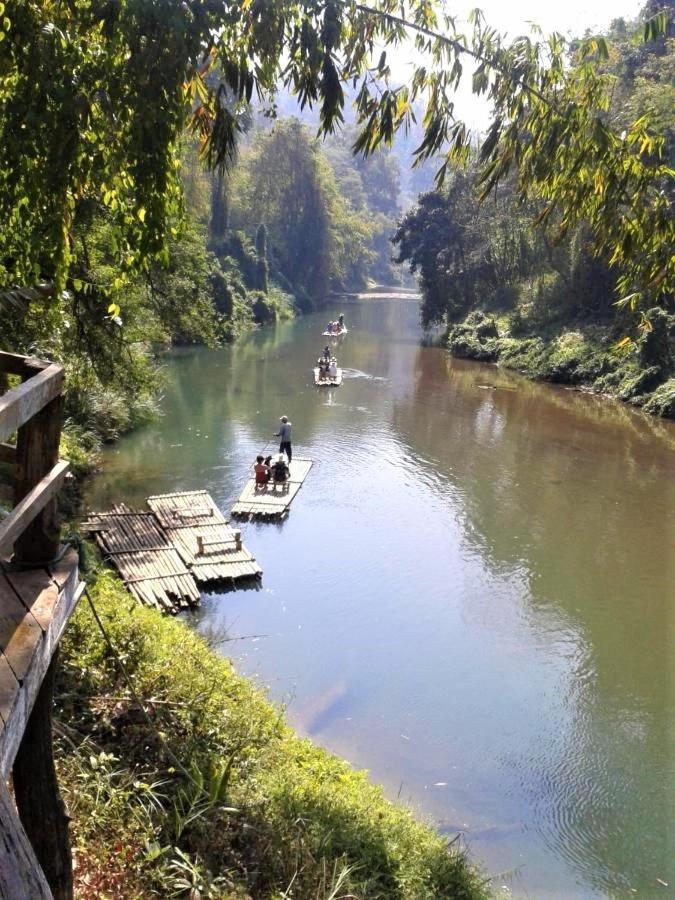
{"x": 264, "y": 814}
{"x": 107, "y": 91}
{"x": 466, "y": 252}
{"x": 588, "y": 356}
{"x": 552, "y": 281}
{"x": 662, "y": 400}
{"x": 261, "y": 253}
{"x": 316, "y": 239}
{"x": 272, "y": 306}
{"x": 475, "y": 338}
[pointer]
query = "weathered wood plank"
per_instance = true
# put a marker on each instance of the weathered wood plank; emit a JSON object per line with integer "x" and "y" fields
{"x": 7, "y": 453}
{"x": 21, "y": 403}
{"x": 19, "y": 631}
{"x": 20, "y": 874}
{"x": 65, "y": 570}
{"x": 45, "y": 643}
{"x": 37, "y": 592}
{"x": 16, "y": 364}
{"x": 9, "y": 689}
{"x": 36, "y": 791}
{"x": 37, "y": 453}
{"x": 13, "y": 526}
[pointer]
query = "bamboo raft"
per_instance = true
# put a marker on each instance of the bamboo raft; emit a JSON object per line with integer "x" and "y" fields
{"x": 149, "y": 565}
{"x": 164, "y": 553}
{"x": 334, "y": 381}
{"x": 272, "y": 501}
{"x": 209, "y": 547}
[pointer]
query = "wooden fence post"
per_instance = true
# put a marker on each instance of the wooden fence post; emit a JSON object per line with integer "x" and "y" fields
{"x": 36, "y": 791}
{"x": 37, "y": 452}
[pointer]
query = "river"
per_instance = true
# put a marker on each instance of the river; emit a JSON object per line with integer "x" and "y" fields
{"x": 472, "y": 596}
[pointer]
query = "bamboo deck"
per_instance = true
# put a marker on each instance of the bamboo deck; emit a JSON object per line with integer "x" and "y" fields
{"x": 209, "y": 547}
{"x": 149, "y": 564}
{"x": 163, "y": 554}
{"x": 272, "y": 501}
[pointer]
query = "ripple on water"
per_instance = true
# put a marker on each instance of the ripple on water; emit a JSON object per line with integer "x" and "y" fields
{"x": 583, "y": 804}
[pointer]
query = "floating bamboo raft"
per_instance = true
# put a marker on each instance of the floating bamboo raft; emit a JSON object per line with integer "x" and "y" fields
{"x": 163, "y": 554}
{"x": 331, "y": 381}
{"x": 209, "y": 547}
{"x": 272, "y": 501}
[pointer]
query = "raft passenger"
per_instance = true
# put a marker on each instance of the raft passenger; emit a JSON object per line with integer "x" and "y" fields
{"x": 280, "y": 471}
{"x": 261, "y": 471}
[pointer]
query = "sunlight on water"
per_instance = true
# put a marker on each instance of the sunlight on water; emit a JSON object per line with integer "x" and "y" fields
{"x": 472, "y": 596}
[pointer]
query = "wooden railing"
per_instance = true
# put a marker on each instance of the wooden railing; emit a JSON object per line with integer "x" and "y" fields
{"x": 35, "y": 605}
{"x": 32, "y": 410}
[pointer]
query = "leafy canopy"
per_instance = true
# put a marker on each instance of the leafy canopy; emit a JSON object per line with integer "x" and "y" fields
{"x": 94, "y": 95}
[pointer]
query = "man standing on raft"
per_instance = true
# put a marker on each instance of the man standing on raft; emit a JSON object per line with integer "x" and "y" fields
{"x": 284, "y": 433}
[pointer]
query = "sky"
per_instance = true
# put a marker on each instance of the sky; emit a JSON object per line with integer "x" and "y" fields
{"x": 512, "y": 17}
{"x": 574, "y": 16}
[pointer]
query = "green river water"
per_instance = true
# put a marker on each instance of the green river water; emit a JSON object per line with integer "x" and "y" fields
{"x": 472, "y": 596}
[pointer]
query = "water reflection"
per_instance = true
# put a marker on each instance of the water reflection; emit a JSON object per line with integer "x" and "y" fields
{"x": 471, "y": 595}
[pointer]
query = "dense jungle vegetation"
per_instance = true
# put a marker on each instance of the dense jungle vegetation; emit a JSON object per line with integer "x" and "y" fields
{"x": 543, "y": 299}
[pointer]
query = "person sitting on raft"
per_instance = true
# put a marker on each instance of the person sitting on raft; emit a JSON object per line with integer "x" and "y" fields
{"x": 332, "y": 368}
{"x": 261, "y": 470}
{"x": 280, "y": 471}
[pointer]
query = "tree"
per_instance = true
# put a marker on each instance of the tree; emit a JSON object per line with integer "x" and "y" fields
{"x": 105, "y": 90}
{"x": 261, "y": 253}
{"x": 220, "y": 206}
{"x": 316, "y": 240}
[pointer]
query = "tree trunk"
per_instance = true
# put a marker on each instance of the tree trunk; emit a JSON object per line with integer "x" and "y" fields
{"x": 37, "y": 796}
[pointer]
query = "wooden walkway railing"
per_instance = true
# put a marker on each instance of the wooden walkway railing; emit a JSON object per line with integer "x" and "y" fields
{"x": 39, "y": 589}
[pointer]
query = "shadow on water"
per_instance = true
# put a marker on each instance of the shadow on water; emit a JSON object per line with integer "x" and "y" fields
{"x": 471, "y": 596}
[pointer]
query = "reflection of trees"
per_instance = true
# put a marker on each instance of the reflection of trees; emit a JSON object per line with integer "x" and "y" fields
{"x": 578, "y": 493}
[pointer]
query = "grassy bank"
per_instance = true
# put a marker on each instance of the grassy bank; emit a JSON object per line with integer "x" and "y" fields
{"x": 265, "y": 814}
{"x": 587, "y": 357}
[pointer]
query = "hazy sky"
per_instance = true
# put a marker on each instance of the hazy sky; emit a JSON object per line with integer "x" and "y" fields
{"x": 565, "y": 15}
{"x": 513, "y": 17}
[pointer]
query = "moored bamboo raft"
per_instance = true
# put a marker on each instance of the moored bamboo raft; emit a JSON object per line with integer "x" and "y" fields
{"x": 272, "y": 501}
{"x": 163, "y": 554}
{"x": 209, "y": 547}
{"x": 149, "y": 565}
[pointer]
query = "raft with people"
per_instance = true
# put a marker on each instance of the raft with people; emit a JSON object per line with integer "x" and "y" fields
{"x": 337, "y": 328}
{"x": 327, "y": 373}
{"x": 327, "y": 377}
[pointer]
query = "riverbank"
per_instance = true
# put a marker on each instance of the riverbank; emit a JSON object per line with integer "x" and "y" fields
{"x": 588, "y": 357}
{"x": 264, "y": 814}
